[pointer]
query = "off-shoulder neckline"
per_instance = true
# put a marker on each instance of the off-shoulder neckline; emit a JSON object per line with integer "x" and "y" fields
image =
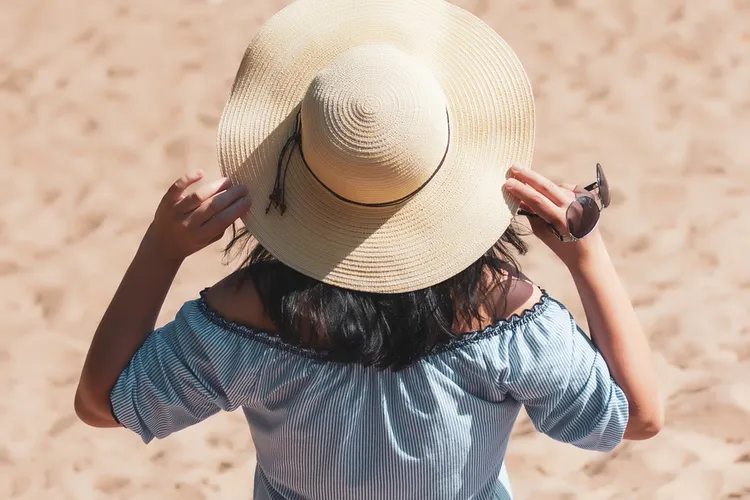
{"x": 272, "y": 340}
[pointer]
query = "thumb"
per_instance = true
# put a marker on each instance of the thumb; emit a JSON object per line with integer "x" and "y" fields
{"x": 543, "y": 231}
{"x": 174, "y": 193}
{"x": 216, "y": 238}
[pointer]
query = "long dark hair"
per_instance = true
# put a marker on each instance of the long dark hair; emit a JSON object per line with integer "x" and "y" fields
{"x": 388, "y": 331}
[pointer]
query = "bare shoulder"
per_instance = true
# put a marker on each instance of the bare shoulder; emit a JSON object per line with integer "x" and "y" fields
{"x": 238, "y": 301}
{"x": 522, "y": 295}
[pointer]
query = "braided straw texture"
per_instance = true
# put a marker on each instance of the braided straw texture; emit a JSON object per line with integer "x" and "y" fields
{"x": 448, "y": 224}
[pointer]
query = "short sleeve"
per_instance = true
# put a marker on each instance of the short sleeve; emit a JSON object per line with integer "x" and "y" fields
{"x": 562, "y": 380}
{"x": 185, "y": 372}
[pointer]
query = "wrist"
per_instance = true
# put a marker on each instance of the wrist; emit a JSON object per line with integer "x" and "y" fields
{"x": 591, "y": 258}
{"x": 152, "y": 248}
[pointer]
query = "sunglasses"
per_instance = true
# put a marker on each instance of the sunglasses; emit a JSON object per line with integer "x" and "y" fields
{"x": 583, "y": 214}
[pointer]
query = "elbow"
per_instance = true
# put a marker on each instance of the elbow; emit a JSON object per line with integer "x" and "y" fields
{"x": 92, "y": 414}
{"x": 643, "y": 427}
{"x": 643, "y": 431}
{"x": 84, "y": 410}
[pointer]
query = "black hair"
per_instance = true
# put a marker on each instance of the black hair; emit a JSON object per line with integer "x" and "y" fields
{"x": 387, "y": 331}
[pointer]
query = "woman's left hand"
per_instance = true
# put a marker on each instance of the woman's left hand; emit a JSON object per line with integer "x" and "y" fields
{"x": 184, "y": 224}
{"x": 550, "y": 201}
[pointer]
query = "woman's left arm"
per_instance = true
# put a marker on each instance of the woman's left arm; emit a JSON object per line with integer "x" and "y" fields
{"x": 183, "y": 224}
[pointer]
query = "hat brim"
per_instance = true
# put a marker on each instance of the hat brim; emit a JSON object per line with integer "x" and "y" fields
{"x": 445, "y": 227}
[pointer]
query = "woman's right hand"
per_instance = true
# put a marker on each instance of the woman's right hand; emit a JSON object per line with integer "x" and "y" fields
{"x": 550, "y": 202}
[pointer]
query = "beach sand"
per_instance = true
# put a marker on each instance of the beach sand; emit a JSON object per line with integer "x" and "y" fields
{"x": 103, "y": 104}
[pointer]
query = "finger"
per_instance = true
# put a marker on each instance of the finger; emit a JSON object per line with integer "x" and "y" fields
{"x": 534, "y": 201}
{"x": 216, "y": 238}
{"x": 174, "y": 193}
{"x": 219, "y": 202}
{"x": 524, "y": 206}
{"x": 194, "y": 200}
{"x": 545, "y": 186}
{"x": 541, "y": 229}
{"x": 223, "y": 219}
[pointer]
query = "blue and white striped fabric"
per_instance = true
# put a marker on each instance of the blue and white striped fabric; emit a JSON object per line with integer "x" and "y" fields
{"x": 437, "y": 430}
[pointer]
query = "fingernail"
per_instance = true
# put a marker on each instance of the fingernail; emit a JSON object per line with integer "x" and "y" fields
{"x": 511, "y": 183}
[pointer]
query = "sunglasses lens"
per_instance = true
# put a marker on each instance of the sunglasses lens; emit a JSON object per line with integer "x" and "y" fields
{"x": 601, "y": 180}
{"x": 582, "y": 216}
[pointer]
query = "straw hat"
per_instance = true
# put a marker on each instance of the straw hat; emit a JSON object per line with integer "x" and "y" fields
{"x": 383, "y": 131}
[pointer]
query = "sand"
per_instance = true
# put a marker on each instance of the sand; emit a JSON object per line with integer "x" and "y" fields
{"x": 102, "y": 104}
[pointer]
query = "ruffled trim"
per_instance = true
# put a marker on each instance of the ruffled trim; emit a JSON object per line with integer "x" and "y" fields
{"x": 257, "y": 335}
{"x": 320, "y": 354}
{"x": 500, "y": 326}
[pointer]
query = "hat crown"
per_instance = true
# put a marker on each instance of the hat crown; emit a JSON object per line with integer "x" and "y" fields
{"x": 374, "y": 125}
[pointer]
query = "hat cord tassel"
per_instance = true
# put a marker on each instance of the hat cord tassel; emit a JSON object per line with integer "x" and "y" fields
{"x": 277, "y": 198}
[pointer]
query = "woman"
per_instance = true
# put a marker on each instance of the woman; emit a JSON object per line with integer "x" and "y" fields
{"x": 379, "y": 338}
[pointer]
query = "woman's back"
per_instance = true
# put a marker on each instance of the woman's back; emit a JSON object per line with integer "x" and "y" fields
{"x": 437, "y": 429}
{"x": 379, "y": 337}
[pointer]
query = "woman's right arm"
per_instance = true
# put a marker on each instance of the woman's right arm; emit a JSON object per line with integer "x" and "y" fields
{"x": 613, "y": 324}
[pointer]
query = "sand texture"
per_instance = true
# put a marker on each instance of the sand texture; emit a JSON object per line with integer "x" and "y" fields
{"x": 102, "y": 104}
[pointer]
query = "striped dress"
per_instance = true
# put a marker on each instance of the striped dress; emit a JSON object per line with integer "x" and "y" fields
{"x": 436, "y": 430}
